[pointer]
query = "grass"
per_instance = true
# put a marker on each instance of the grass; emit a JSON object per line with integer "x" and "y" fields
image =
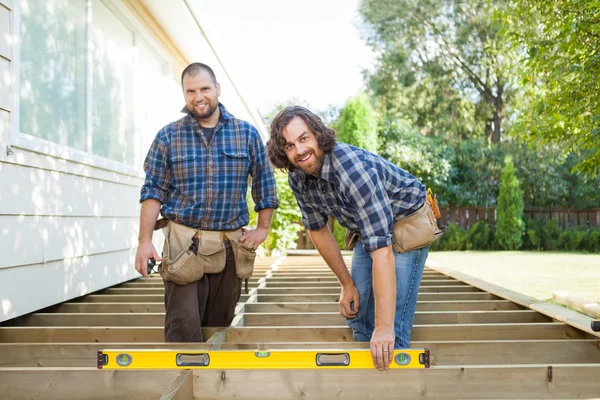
{"x": 536, "y": 274}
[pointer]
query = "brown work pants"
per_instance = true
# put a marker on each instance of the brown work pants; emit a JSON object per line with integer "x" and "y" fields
{"x": 210, "y": 301}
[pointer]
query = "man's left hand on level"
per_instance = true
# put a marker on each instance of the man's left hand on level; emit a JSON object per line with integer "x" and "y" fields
{"x": 254, "y": 237}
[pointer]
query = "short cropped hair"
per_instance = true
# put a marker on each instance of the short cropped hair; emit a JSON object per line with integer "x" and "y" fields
{"x": 276, "y": 143}
{"x": 195, "y": 68}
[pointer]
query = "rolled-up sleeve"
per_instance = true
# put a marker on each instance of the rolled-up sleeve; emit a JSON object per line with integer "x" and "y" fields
{"x": 264, "y": 190}
{"x": 156, "y": 166}
{"x": 373, "y": 211}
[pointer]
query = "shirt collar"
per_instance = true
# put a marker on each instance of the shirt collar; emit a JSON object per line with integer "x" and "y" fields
{"x": 327, "y": 172}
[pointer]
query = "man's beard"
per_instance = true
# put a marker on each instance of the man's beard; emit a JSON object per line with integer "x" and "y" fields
{"x": 211, "y": 110}
{"x": 315, "y": 167}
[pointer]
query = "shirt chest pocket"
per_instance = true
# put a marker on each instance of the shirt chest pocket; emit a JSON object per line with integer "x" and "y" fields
{"x": 235, "y": 160}
{"x": 184, "y": 166}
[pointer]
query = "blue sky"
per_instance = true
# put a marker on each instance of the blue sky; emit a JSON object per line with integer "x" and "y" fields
{"x": 276, "y": 50}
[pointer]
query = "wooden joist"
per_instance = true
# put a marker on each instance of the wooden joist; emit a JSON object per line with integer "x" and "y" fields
{"x": 485, "y": 342}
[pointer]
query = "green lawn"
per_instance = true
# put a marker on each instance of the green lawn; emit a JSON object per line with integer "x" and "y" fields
{"x": 536, "y": 274}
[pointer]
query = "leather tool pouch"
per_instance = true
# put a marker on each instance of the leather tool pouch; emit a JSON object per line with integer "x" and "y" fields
{"x": 244, "y": 255}
{"x": 190, "y": 253}
{"x": 412, "y": 232}
{"x": 416, "y": 230}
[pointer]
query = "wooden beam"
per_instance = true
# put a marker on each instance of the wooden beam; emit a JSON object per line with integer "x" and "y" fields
{"x": 20, "y": 334}
{"x": 578, "y": 303}
{"x": 277, "y": 298}
{"x": 421, "y": 318}
{"x": 51, "y": 355}
{"x": 459, "y": 305}
{"x": 455, "y": 332}
{"x": 91, "y": 319}
{"x": 84, "y": 383}
{"x": 181, "y": 389}
{"x": 552, "y": 310}
{"x": 110, "y": 308}
{"x": 470, "y": 382}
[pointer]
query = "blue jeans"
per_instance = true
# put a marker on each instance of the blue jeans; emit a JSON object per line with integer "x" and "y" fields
{"x": 409, "y": 270}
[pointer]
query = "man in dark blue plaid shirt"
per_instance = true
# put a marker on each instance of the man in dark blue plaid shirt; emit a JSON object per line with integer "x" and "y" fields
{"x": 197, "y": 173}
{"x": 366, "y": 194}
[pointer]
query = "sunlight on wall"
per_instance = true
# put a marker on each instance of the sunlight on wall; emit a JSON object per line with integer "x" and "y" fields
{"x": 6, "y": 306}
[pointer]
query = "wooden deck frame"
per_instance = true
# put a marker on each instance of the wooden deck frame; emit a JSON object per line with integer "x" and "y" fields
{"x": 480, "y": 339}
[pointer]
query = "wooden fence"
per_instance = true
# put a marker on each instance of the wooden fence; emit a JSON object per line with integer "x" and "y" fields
{"x": 465, "y": 217}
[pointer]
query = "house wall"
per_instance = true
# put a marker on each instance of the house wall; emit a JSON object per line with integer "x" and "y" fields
{"x": 68, "y": 221}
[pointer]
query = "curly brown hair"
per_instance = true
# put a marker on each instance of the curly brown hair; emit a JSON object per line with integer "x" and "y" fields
{"x": 276, "y": 144}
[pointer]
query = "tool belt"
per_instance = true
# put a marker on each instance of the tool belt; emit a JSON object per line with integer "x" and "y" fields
{"x": 190, "y": 253}
{"x": 415, "y": 231}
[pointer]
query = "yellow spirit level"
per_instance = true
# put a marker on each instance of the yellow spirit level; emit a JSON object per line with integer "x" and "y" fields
{"x": 255, "y": 359}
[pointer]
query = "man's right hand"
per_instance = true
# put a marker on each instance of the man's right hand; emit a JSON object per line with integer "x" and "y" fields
{"x": 349, "y": 295}
{"x": 145, "y": 251}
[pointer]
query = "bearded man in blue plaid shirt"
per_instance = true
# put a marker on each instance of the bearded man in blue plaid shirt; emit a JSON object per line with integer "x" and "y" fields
{"x": 366, "y": 194}
{"x": 197, "y": 173}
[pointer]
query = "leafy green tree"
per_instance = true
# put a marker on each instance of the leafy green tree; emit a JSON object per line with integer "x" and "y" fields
{"x": 357, "y": 123}
{"x": 509, "y": 225}
{"x": 443, "y": 61}
{"x": 559, "y": 71}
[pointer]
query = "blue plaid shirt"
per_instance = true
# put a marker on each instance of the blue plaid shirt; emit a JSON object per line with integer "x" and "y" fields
{"x": 364, "y": 192}
{"x": 203, "y": 185}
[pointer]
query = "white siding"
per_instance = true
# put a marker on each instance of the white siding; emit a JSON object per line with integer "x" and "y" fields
{"x": 69, "y": 222}
{"x": 5, "y": 26}
{"x": 31, "y": 287}
{"x": 5, "y": 83}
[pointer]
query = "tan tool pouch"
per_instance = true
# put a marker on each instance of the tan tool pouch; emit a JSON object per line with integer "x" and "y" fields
{"x": 417, "y": 230}
{"x": 190, "y": 253}
{"x": 244, "y": 255}
{"x": 179, "y": 263}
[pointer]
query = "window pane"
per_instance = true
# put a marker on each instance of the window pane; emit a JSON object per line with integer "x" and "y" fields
{"x": 112, "y": 61}
{"x": 52, "y": 70}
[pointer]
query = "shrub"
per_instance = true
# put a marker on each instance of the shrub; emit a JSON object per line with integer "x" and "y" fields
{"x": 455, "y": 238}
{"x": 480, "y": 236}
{"x": 510, "y": 226}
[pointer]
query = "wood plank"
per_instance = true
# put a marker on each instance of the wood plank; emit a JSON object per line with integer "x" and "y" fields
{"x": 421, "y": 318}
{"x": 276, "y": 298}
{"x": 288, "y": 290}
{"x": 578, "y": 303}
{"x": 123, "y": 298}
{"x": 181, "y": 389}
{"x": 470, "y": 382}
{"x": 156, "y": 307}
{"x": 457, "y": 332}
{"x": 459, "y": 305}
{"x": 90, "y": 319}
{"x": 559, "y": 313}
{"x": 50, "y": 355}
{"x": 84, "y": 383}
{"x": 19, "y": 334}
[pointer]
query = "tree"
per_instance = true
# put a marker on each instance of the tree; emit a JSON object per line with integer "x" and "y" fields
{"x": 357, "y": 123}
{"x": 446, "y": 60}
{"x": 560, "y": 66}
{"x": 509, "y": 226}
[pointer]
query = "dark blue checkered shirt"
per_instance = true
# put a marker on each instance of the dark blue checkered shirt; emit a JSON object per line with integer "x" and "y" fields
{"x": 204, "y": 185}
{"x": 362, "y": 191}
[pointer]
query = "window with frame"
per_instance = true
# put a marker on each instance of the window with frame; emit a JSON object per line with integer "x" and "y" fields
{"x": 84, "y": 73}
